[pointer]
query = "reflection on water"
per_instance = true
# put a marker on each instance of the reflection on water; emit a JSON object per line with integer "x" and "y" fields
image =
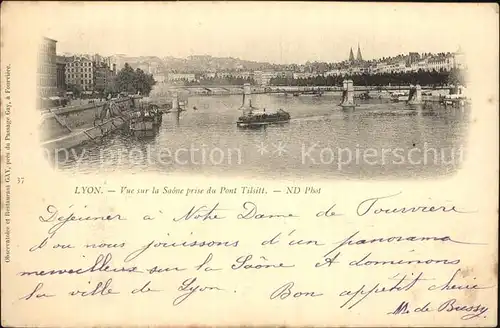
{"x": 376, "y": 140}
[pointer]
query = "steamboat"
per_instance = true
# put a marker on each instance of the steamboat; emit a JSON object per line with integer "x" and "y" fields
{"x": 259, "y": 118}
{"x": 254, "y": 117}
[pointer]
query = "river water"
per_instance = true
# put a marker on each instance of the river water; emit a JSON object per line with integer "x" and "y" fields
{"x": 377, "y": 140}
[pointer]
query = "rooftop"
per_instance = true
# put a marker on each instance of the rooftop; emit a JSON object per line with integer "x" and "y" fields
{"x": 49, "y": 39}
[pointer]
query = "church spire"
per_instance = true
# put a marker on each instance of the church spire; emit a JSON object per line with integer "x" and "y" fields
{"x": 351, "y": 56}
{"x": 358, "y": 56}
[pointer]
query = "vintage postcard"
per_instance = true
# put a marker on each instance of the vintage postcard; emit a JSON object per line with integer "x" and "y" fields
{"x": 227, "y": 164}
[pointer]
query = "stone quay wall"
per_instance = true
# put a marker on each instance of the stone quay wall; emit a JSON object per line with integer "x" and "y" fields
{"x": 82, "y": 117}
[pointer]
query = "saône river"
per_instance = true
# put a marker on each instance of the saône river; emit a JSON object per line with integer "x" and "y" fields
{"x": 377, "y": 140}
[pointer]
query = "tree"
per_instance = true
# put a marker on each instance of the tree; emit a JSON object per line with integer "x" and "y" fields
{"x": 424, "y": 78}
{"x": 143, "y": 82}
{"x": 125, "y": 79}
{"x": 110, "y": 88}
{"x": 130, "y": 81}
{"x": 76, "y": 89}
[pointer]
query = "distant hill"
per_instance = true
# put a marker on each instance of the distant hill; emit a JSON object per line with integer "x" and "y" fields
{"x": 120, "y": 60}
{"x": 195, "y": 64}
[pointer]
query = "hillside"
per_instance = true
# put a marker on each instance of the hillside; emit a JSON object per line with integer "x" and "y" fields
{"x": 194, "y": 64}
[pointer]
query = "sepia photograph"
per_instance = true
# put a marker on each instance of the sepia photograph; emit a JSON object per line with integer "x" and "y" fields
{"x": 351, "y": 104}
{"x": 249, "y": 164}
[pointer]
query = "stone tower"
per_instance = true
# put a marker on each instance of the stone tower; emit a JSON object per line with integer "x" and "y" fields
{"x": 175, "y": 101}
{"x": 348, "y": 94}
{"x": 359, "y": 58}
{"x": 351, "y": 56}
{"x": 415, "y": 96}
{"x": 246, "y": 107}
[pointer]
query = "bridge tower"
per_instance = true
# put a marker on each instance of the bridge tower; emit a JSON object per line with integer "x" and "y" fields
{"x": 175, "y": 101}
{"x": 246, "y": 106}
{"x": 348, "y": 94}
{"x": 415, "y": 96}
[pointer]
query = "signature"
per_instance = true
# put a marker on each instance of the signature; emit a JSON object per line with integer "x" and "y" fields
{"x": 451, "y": 305}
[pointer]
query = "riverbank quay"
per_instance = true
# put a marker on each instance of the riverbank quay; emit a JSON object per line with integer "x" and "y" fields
{"x": 67, "y": 127}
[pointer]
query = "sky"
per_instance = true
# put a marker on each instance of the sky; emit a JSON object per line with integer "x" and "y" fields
{"x": 283, "y": 33}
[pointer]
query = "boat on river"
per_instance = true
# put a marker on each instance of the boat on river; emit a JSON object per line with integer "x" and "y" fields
{"x": 399, "y": 96}
{"x": 146, "y": 119}
{"x": 365, "y": 96}
{"x": 317, "y": 93}
{"x": 255, "y": 117}
{"x": 261, "y": 117}
{"x": 456, "y": 98}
